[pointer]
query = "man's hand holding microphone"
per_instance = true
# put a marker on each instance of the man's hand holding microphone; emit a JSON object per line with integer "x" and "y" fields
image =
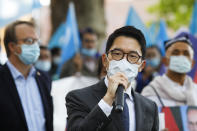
{"x": 113, "y": 83}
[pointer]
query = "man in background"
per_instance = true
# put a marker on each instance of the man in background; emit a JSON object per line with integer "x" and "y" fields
{"x": 44, "y": 61}
{"x": 152, "y": 69}
{"x": 86, "y": 61}
{"x": 175, "y": 87}
{"x": 56, "y": 59}
{"x": 25, "y": 100}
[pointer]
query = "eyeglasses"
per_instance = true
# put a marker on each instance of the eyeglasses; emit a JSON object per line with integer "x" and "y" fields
{"x": 132, "y": 57}
{"x": 29, "y": 40}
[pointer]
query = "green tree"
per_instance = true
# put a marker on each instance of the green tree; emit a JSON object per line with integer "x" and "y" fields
{"x": 176, "y": 13}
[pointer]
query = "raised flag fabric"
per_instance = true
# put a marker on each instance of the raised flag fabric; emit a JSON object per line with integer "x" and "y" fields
{"x": 193, "y": 23}
{"x": 66, "y": 37}
{"x": 134, "y": 20}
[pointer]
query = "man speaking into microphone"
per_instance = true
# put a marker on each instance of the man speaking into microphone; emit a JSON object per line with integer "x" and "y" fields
{"x": 103, "y": 107}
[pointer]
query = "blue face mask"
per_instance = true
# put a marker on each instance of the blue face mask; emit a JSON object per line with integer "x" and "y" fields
{"x": 180, "y": 64}
{"x": 88, "y": 52}
{"x": 29, "y": 54}
{"x": 154, "y": 62}
{"x": 57, "y": 60}
{"x": 43, "y": 65}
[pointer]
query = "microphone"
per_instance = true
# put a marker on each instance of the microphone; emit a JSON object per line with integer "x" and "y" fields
{"x": 119, "y": 100}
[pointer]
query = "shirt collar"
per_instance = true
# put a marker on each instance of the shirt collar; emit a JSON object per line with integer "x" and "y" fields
{"x": 16, "y": 74}
{"x": 128, "y": 91}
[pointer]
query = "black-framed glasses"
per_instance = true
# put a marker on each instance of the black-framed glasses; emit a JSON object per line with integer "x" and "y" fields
{"x": 117, "y": 54}
{"x": 29, "y": 40}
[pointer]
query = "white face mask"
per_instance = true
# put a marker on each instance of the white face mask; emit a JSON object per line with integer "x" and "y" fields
{"x": 43, "y": 65}
{"x": 57, "y": 60}
{"x": 130, "y": 70}
{"x": 180, "y": 64}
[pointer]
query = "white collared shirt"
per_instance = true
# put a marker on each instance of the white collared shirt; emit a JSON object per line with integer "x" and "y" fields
{"x": 130, "y": 103}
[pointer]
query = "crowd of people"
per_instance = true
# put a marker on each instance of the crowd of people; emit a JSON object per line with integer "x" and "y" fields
{"x": 84, "y": 62}
{"x": 150, "y": 81}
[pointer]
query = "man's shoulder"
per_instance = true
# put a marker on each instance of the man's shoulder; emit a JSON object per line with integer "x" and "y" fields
{"x": 145, "y": 101}
{"x": 82, "y": 97}
{"x": 156, "y": 83}
{"x": 143, "y": 98}
{"x": 88, "y": 93}
{"x": 84, "y": 92}
{"x": 4, "y": 71}
{"x": 3, "y": 67}
{"x": 44, "y": 78}
{"x": 69, "y": 62}
{"x": 195, "y": 85}
{"x": 189, "y": 78}
{"x": 43, "y": 74}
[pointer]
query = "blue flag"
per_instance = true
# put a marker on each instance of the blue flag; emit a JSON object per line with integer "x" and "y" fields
{"x": 66, "y": 37}
{"x": 193, "y": 24}
{"x": 153, "y": 30}
{"x": 161, "y": 37}
{"x": 10, "y": 10}
{"x": 134, "y": 20}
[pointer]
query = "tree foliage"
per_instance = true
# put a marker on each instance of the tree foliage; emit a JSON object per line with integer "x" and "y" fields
{"x": 176, "y": 13}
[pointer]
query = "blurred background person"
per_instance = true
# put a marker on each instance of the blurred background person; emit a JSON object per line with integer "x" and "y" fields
{"x": 86, "y": 61}
{"x": 175, "y": 87}
{"x": 152, "y": 69}
{"x": 44, "y": 61}
{"x": 72, "y": 67}
{"x": 192, "y": 118}
{"x": 56, "y": 59}
{"x": 154, "y": 60}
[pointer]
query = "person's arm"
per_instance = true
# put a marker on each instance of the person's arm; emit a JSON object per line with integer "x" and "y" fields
{"x": 156, "y": 119}
{"x": 81, "y": 118}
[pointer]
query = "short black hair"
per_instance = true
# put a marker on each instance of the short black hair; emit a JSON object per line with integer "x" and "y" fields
{"x": 55, "y": 51}
{"x": 128, "y": 31}
{"x": 10, "y": 33}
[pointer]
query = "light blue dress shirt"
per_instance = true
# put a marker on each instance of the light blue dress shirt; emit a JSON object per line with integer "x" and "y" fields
{"x": 30, "y": 98}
